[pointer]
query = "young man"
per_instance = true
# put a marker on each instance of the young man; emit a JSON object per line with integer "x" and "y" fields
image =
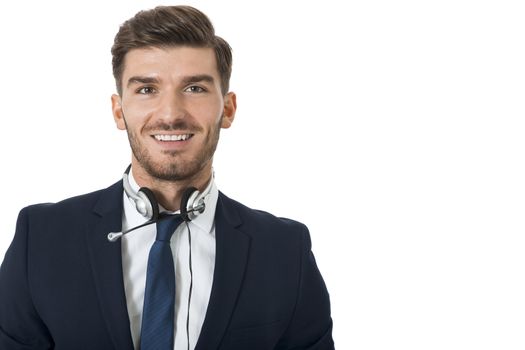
{"x": 234, "y": 278}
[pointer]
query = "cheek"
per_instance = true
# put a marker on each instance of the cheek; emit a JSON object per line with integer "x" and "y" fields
{"x": 138, "y": 108}
{"x": 207, "y": 118}
{"x": 136, "y": 114}
{"x": 212, "y": 112}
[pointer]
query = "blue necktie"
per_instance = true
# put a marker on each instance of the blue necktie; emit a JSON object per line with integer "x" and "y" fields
{"x": 159, "y": 299}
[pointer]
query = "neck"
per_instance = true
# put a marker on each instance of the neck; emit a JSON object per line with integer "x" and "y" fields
{"x": 169, "y": 193}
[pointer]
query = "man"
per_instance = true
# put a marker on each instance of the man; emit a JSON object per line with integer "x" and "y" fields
{"x": 236, "y": 278}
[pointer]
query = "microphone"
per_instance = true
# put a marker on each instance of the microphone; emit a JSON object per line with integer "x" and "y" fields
{"x": 114, "y": 236}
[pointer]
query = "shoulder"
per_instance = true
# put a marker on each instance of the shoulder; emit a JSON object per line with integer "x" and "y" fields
{"x": 46, "y": 227}
{"x": 73, "y": 206}
{"x": 259, "y": 222}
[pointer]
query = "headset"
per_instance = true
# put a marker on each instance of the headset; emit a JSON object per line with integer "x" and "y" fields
{"x": 192, "y": 201}
{"x": 191, "y": 205}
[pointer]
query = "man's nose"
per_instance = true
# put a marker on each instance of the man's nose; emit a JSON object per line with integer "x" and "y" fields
{"x": 171, "y": 107}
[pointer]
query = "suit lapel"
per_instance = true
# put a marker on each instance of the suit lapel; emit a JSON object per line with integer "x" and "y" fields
{"x": 106, "y": 263}
{"x": 232, "y": 248}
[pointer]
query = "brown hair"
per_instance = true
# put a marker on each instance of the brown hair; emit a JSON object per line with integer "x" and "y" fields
{"x": 169, "y": 26}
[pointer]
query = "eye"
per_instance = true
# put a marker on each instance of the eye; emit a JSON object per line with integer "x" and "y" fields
{"x": 195, "y": 89}
{"x": 146, "y": 90}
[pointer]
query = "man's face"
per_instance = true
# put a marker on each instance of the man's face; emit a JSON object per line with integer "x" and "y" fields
{"x": 173, "y": 109}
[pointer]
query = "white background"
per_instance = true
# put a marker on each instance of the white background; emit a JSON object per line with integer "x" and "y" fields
{"x": 393, "y": 129}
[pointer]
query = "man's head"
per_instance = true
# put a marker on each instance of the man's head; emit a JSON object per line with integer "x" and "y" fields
{"x": 172, "y": 76}
{"x": 170, "y": 26}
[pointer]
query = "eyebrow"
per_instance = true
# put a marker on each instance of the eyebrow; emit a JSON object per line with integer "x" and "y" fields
{"x": 198, "y": 78}
{"x": 142, "y": 80}
{"x": 185, "y": 80}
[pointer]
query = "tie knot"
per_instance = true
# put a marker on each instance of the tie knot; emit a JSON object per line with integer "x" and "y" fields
{"x": 166, "y": 226}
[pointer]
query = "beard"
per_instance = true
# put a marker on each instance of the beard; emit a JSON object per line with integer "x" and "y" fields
{"x": 174, "y": 167}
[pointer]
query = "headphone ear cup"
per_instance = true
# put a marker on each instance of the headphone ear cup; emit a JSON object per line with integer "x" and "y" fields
{"x": 147, "y": 205}
{"x": 184, "y": 205}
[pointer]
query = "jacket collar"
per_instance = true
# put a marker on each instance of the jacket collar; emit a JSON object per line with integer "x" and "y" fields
{"x": 106, "y": 263}
{"x": 232, "y": 249}
{"x": 230, "y": 265}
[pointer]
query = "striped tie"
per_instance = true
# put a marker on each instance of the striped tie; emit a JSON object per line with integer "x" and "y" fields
{"x": 159, "y": 298}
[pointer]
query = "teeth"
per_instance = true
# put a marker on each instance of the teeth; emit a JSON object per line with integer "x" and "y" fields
{"x": 172, "y": 137}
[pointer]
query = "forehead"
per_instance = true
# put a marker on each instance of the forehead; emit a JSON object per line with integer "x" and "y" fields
{"x": 170, "y": 62}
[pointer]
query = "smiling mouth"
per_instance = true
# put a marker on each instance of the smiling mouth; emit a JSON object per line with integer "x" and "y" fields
{"x": 183, "y": 137}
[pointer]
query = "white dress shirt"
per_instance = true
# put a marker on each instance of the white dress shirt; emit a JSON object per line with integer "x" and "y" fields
{"x": 135, "y": 251}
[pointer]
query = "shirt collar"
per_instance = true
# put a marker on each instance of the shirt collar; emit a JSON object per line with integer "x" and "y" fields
{"x": 204, "y": 221}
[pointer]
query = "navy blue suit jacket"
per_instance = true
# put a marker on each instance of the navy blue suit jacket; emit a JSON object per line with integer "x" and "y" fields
{"x": 61, "y": 282}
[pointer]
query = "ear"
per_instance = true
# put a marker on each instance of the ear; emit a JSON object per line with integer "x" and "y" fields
{"x": 230, "y": 106}
{"x": 118, "y": 115}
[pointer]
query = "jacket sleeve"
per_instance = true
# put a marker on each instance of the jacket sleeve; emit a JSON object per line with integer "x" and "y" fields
{"x": 311, "y": 324}
{"x": 20, "y": 325}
